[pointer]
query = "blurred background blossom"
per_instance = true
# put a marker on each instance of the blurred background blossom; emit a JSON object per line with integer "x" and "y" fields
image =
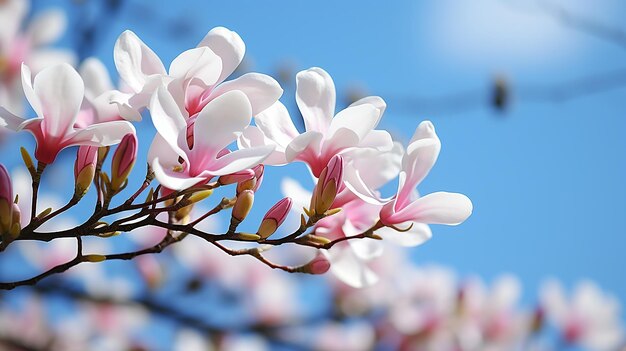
{"x": 528, "y": 99}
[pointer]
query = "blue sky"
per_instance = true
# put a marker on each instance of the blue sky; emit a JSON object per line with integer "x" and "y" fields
{"x": 546, "y": 178}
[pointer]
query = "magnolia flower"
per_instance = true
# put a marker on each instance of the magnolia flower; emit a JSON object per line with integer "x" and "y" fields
{"x": 56, "y": 96}
{"x": 325, "y": 136}
{"x": 28, "y": 46}
{"x": 408, "y": 211}
{"x": 218, "y": 124}
{"x": 590, "y": 318}
{"x": 348, "y": 259}
{"x": 196, "y": 76}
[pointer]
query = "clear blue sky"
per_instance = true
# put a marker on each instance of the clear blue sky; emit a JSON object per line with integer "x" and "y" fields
{"x": 546, "y": 178}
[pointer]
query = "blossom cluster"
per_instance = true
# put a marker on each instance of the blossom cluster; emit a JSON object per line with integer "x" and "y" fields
{"x": 199, "y": 115}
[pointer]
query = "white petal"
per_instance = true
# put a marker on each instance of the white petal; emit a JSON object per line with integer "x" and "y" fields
{"x": 366, "y": 249}
{"x": 168, "y": 120}
{"x": 47, "y": 27}
{"x": 102, "y": 134}
{"x": 349, "y": 268}
{"x": 417, "y": 235}
{"x": 9, "y": 120}
{"x": 376, "y": 101}
{"x": 173, "y": 180}
{"x": 343, "y": 138}
{"x": 379, "y": 140}
{"x": 240, "y": 160}
{"x": 162, "y": 150}
{"x": 123, "y": 102}
{"x": 262, "y": 90}
{"x": 439, "y": 208}
{"x": 12, "y": 13}
{"x": 96, "y": 77}
{"x": 228, "y": 46}
{"x": 221, "y": 121}
{"x": 361, "y": 119}
{"x": 253, "y": 137}
{"x": 315, "y": 95}
{"x": 276, "y": 124}
{"x": 60, "y": 91}
{"x": 199, "y": 63}
{"x": 29, "y": 92}
{"x": 135, "y": 61}
{"x": 307, "y": 140}
{"x": 418, "y": 160}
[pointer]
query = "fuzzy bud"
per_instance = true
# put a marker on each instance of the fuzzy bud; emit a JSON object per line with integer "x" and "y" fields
{"x": 329, "y": 184}
{"x": 243, "y": 205}
{"x": 123, "y": 161}
{"x": 6, "y": 201}
{"x": 236, "y": 177}
{"x": 84, "y": 169}
{"x": 318, "y": 265}
{"x": 274, "y": 217}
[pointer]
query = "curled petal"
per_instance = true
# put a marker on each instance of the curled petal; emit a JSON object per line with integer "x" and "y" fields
{"x": 315, "y": 95}
{"x": 168, "y": 120}
{"x": 375, "y": 101}
{"x": 253, "y": 137}
{"x": 437, "y": 208}
{"x": 9, "y": 120}
{"x": 261, "y": 89}
{"x": 306, "y": 141}
{"x": 102, "y": 134}
{"x": 239, "y": 160}
{"x": 135, "y": 61}
{"x": 276, "y": 124}
{"x": 174, "y": 180}
{"x": 228, "y": 46}
{"x": 199, "y": 63}
{"x": 360, "y": 119}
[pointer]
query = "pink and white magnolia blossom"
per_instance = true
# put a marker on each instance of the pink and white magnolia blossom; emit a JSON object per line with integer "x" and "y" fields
{"x": 408, "y": 211}
{"x": 28, "y": 46}
{"x": 325, "y": 135}
{"x": 589, "y": 318}
{"x": 196, "y": 77}
{"x": 203, "y": 149}
{"x": 56, "y": 95}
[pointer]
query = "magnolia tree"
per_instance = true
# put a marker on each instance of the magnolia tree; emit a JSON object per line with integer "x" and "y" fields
{"x": 215, "y": 134}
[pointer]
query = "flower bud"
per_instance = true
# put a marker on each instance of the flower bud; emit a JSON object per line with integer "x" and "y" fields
{"x": 28, "y": 161}
{"x": 254, "y": 182}
{"x": 274, "y": 217}
{"x": 84, "y": 169}
{"x": 123, "y": 160}
{"x": 242, "y": 206}
{"x": 6, "y": 201}
{"x": 259, "y": 170}
{"x": 328, "y": 185}
{"x": 236, "y": 177}
{"x": 318, "y": 265}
